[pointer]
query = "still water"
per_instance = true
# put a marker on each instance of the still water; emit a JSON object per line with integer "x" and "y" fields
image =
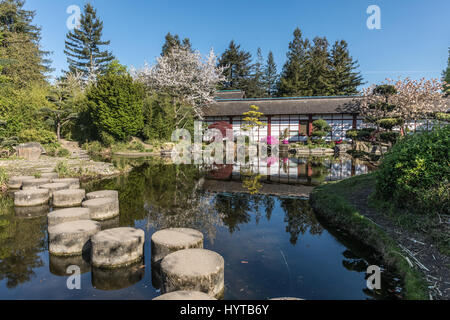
{"x": 271, "y": 240}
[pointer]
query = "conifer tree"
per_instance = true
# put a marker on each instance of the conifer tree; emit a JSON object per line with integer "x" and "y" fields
{"x": 270, "y": 76}
{"x": 22, "y": 60}
{"x": 344, "y": 77}
{"x": 174, "y": 41}
{"x": 320, "y": 82}
{"x": 294, "y": 80}
{"x": 83, "y": 46}
{"x": 446, "y": 76}
{"x": 239, "y": 67}
{"x": 255, "y": 87}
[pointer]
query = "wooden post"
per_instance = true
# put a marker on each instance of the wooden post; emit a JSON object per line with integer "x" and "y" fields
{"x": 355, "y": 123}
{"x": 310, "y": 125}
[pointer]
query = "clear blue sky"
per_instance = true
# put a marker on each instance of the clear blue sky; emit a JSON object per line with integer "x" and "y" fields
{"x": 413, "y": 40}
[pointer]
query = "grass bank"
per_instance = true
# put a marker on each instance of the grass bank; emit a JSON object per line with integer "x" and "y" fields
{"x": 331, "y": 203}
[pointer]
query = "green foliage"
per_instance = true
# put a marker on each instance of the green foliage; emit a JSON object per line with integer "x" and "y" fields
{"x": 173, "y": 41}
{"x": 64, "y": 153}
{"x": 446, "y": 75}
{"x": 321, "y": 130}
{"x": 3, "y": 178}
{"x": 94, "y": 147}
{"x": 83, "y": 46}
{"x": 270, "y": 76}
{"x": 252, "y": 118}
{"x": 107, "y": 139}
{"x": 62, "y": 169}
{"x": 33, "y": 135}
{"x": 390, "y": 123}
{"x": 415, "y": 173}
{"x": 115, "y": 105}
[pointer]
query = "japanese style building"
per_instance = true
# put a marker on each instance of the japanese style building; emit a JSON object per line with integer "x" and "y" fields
{"x": 295, "y": 114}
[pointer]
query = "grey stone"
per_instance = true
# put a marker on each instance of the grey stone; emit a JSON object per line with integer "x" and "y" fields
{"x": 16, "y": 182}
{"x": 102, "y": 208}
{"x": 31, "y": 212}
{"x": 102, "y": 194}
{"x": 34, "y": 183}
{"x": 184, "y": 295}
{"x": 118, "y": 278}
{"x": 74, "y": 183}
{"x": 110, "y": 223}
{"x": 193, "y": 270}
{"x": 30, "y": 150}
{"x": 71, "y": 238}
{"x": 30, "y": 198}
{"x": 49, "y": 175}
{"x": 68, "y": 198}
{"x": 67, "y": 215}
{"x": 286, "y": 298}
{"x": 170, "y": 240}
{"x": 118, "y": 247}
{"x": 52, "y": 187}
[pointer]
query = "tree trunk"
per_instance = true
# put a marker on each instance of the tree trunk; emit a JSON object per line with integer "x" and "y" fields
{"x": 58, "y": 131}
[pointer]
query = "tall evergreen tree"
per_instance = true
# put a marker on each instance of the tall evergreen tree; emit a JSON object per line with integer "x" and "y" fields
{"x": 83, "y": 51}
{"x": 174, "y": 41}
{"x": 344, "y": 77}
{"x": 446, "y": 76}
{"x": 320, "y": 82}
{"x": 255, "y": 88}
{"x": 270, "y": 76}
{"x": 21, "y": 57}
{"x": 294, "y": 80}
{"x": 239, "y": 67}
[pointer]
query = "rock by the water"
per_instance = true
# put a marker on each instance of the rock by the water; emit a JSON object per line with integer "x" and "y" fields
{"x": 30, "y": 198}
{"x": 67, "y": 215}
{"x": 184, "y": 295}
{"x": 102, "y": 208}
{"x": 68, "y": 198}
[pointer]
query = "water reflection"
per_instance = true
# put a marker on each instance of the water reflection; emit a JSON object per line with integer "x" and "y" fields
{"x": 118, "y": 278}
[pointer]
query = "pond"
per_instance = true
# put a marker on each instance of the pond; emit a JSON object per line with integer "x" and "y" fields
{"x": 256, "y": 216}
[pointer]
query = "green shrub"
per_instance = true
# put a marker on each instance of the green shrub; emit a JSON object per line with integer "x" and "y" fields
{"x": 94, "y": 147}
{"x": 415, "y": 173}
{"x": 33, "y": 135}
{"x": 107, "y": 139}
{"x": 62, "y": 152}
{"x": 62, "y": 169}
{"x": 115, "y": 104}
{"x": 3, "y": 178}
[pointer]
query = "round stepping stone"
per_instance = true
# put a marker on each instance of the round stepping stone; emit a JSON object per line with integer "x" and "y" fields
{"x": 67, "y": 215}
{"x": 170, "y": 240}
{"x": 118, "y": 278}
{"x": 59, "y": 265}
{"x": 71, "y": 238}
{"x": 102, "y": 194}
{"x": 110, "y": 223}
{"x": 52, "y": 187}
{"x": 193, "y": 270}
{"x": 31, "y": 198}
{"x": 50, "y": 175}
{"x": 46, "y": 170}
{"x": 32, "y": 212}
{"x": 102, "y": 208}
{"x": 68, "y": 198}
{"x": 117, "y": 247}
{"x": 74, "y": 183}
{"x": 16, "y": 182}
{"x": 184, "y": 295}
{"x": 34, "y": 183}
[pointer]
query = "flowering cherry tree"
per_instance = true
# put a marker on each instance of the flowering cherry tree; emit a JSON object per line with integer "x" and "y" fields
{"x": 187, "y": 76}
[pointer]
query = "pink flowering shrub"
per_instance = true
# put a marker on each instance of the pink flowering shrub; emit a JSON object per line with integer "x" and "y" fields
{"x": 270, "y": 140}
{"x": 271, "y": 161}
{"x": 285, "y": 141}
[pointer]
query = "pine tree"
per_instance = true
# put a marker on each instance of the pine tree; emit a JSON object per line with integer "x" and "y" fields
{"x": 22, "y": 60}
{"x": 255, "y": 88}
{"x": 294, "y": 80}
{"x": 320, "y": 81}
{"x": 270, "y": 76}
{"x": 344, "y": 77}
{"x": 83, "y": 46}
{"x": 174, "y": 41}
{"x": 239, "y": 67}
{"x": 446, "y": 76}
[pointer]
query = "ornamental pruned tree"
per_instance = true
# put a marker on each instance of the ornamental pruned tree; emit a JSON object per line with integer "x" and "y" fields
{"x": 62, "y": 111}
{"x": 83, "y": 46}
{"x": 188, "y": 78}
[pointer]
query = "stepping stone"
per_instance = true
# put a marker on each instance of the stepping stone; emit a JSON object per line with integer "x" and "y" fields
{"x": 184, "y": 295}
{"x": 74, "y": 183}
{"x": 286, "y": 298}
{"x": 117, "y": 247}
{"x": 16, "y": 182}
{"x": 59, "y": 265}
{"x": 102, "y": 194}
{"x": 110, "y": 223}
{"x": 68, "y": 198}
{"x": 32, "y": 212}
{"x": 46, "y": 170}
{"x": 52, "y": 187}
{"x": 34, "y": 183}
{"x": 193, "y": 270}
{"x": 118, "y": 278}
{"x": 31, "y": 198}
{"x": 50, "y": 175}
{"x": 102, "y": 208}
{"x": 71, "y": 238}
{"x": 170, "y": 240}
{"x": 67, "y": 215}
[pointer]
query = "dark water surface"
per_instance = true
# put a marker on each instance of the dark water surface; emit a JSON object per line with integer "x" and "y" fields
{"x": 272, "y": 242}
